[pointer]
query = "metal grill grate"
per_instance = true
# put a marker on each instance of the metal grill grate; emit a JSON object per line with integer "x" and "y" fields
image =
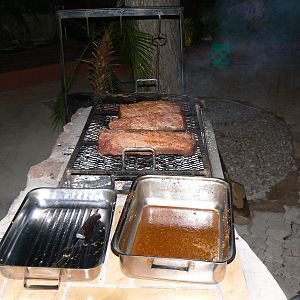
{"x": 109, "y": 104}
{"x": 99, "y": 122}
{"x": 86, "y": 160}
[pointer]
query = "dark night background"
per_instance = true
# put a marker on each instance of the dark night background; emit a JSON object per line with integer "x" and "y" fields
{"x": 254, "y": 29}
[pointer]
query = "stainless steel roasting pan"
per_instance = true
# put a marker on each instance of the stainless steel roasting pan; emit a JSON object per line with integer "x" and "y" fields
{"x": 42, "y": 241}
{"x": 175, "y": 191}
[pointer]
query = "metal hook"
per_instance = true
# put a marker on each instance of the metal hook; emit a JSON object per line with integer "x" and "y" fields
{"x": 88, "y": 27}
{"x": 159, "y": 23}
{"x": 121, "y": 24}
{"x": 160, "y": 39}
{"x": 65, "y": 32}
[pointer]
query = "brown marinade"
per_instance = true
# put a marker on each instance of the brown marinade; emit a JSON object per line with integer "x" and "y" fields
{"x": 178, "y": 233}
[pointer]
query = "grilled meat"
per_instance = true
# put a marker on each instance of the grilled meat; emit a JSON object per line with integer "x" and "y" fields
{"x": 144, "y": 108}
{"x": 113, "y": 142}
{"x": 159, "y": 121}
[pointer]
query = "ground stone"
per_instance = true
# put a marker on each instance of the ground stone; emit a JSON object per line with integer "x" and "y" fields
{"x": 292, "y": 214}
{"x": 260, "y": 252}
{"x": 277, "y": 234}
{"x": 274, "y": 267}
{"x": 279, "y": 224}
{"x": 295, "y": 230}
{"x": 294, "y": 246}
{"x": 261, "y": 215}
{"x": 241, "y": 229}
{"x": 290, "y": 284}
{"x": 257, "y": 230}
{"x": 247, "y": 138}
{"x": 274, "y": 255}
{"x": 291, "y": 260}
{"x": 271, "y": 243}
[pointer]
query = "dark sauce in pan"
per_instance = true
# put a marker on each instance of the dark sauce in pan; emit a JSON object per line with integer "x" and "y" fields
{"x": 178, "y": 233}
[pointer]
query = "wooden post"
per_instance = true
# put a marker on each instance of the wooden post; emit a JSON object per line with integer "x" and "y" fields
{"x": 169, "y": 54}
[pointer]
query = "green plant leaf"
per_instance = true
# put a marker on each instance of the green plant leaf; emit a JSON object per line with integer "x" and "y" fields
{"x": 58, "y": 115}
{"x": 135, "y": 46}
{"x": 132, "y": 45}
{"x": 102, "y": 68}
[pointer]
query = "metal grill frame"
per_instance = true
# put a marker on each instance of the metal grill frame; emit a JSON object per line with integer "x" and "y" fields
{"x": 191, "y": 109}
{"x": 121, "y": 13}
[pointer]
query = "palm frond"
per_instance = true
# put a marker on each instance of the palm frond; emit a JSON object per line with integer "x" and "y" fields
{"x": 102, "y": 68}
{"x": 135, "y": 47}
{"x": 58, "y": 115}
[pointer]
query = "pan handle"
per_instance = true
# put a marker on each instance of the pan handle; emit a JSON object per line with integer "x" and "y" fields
{"x": 141, "y": 149}
{"x": 35, "y": 286}
{"x": 146, "y": 82}
{"x": 186, "y": 268}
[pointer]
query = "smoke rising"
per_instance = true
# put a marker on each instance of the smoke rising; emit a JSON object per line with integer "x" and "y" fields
{"x": 260, "y": 30}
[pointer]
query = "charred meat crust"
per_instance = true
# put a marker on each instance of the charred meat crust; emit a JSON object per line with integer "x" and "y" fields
{"x": 159, "y": 121}
{"x": 112, "y": 142}
{"x": 145, "y": 108}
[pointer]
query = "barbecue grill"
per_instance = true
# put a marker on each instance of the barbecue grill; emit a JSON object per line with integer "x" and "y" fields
{"x": 88, "y": 171}
{"x": 87, "y": 168}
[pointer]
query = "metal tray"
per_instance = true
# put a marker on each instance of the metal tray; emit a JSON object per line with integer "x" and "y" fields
{"x": 174, "y": 191}
{"x": 45, "y": 228}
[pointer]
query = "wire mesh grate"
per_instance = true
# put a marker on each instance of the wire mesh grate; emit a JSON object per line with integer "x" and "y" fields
{"x": 100, "y": 122}
{"x": 87, "y": 160}
{"x": 111, "y": 105}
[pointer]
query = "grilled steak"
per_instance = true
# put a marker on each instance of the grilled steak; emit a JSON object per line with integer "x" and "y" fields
{"x": 112, "y": 142}
{"x": 145, "y": 108}
{"x": 160, "y": 121}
